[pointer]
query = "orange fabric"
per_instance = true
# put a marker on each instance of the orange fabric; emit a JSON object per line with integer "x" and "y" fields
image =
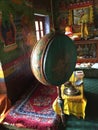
{"x": 5, "y": 104}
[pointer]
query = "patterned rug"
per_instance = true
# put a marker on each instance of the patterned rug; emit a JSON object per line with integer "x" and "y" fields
{"x": 35, "y": 110}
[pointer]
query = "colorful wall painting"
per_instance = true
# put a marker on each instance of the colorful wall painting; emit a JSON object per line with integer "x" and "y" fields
{"x": 17, "y": 38}
{"x": 16, "y": 32}
{"x": 60, "y": 15}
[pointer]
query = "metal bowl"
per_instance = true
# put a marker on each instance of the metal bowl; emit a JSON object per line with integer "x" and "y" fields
{"x": 70, "y": 90}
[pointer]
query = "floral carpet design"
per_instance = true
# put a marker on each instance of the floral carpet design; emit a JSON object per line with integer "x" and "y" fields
{"x": 35, "y": 109}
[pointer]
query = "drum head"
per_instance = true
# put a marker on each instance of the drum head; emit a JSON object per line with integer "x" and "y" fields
{"x": 59, "y": 60}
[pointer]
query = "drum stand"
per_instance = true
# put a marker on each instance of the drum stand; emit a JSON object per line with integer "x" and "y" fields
{"x": 61, "y": 105}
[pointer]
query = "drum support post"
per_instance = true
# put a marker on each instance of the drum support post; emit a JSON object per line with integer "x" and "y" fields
{"x": 61, "y": 104}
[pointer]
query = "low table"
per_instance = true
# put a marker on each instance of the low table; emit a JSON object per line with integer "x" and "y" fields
{"x": 74, "y": 105}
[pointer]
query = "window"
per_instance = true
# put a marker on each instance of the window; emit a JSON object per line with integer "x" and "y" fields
{"x": 42, "y": 25}
{"x": 39, "y": 26}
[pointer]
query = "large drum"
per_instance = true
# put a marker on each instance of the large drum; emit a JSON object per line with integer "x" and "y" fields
{"x": 53, "y": 59}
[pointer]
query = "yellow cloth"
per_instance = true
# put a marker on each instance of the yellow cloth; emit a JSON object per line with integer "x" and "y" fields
{"x": 84, "y": 18}
{"x": 72, "y": 104}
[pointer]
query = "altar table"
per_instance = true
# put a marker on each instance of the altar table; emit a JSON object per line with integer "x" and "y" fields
{"x": 74, "y": 105}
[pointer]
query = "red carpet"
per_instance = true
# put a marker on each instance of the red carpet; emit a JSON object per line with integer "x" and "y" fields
{"x": 35, "y": 110}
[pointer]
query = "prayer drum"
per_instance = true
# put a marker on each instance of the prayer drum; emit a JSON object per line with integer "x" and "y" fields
{"x": 53, "y": 59}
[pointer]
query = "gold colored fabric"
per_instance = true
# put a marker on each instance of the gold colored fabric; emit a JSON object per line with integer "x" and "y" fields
{"x": 5, "y": 104}
{"x": 74, "y": 105}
